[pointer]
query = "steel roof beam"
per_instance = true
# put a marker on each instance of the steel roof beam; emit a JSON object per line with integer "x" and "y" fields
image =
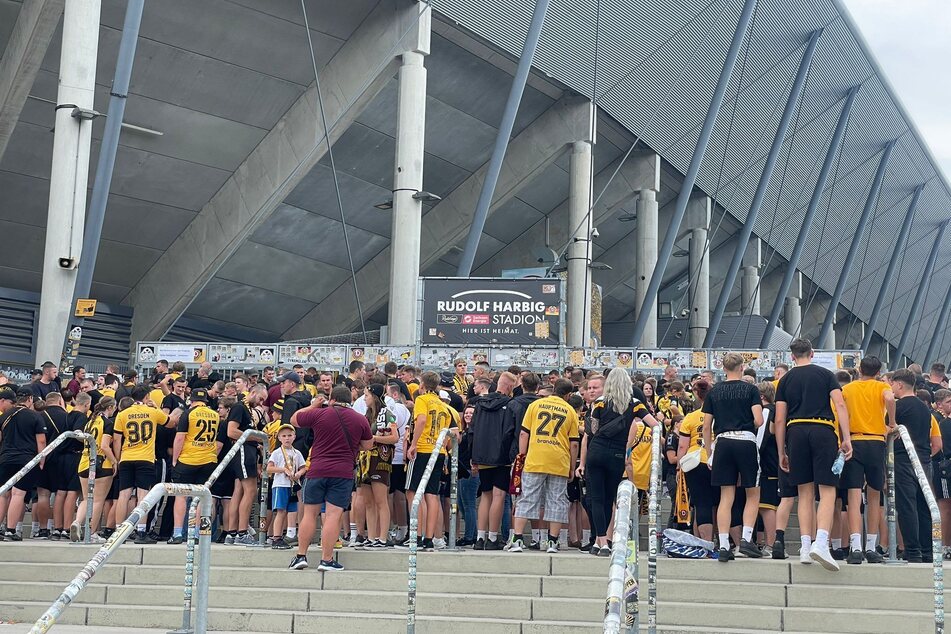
{"x": 920, "y": 295}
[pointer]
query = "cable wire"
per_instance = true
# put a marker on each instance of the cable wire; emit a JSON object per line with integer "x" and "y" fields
{"x": 333, "y": 171}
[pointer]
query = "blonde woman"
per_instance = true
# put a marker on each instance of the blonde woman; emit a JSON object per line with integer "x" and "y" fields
{"x": 100, "y": 426}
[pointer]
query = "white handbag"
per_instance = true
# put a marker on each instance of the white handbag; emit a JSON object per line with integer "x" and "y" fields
{"x": 690, "y": 460}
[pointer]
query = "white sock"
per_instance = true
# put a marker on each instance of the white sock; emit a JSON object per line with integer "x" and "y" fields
{"x": 35, "y": 528}
{"x": 353, "y": 530}
{"x": 822, "y": 538}
{"x": 140, "y": 528}
{"x": 292, "y": 532}
{"x": 836, "y": 543}
{"x": 49, "y": 525}
{"x": 585, "y": 536}
{"x": 536, "y": 535}
{"x": 806, "y": 541}
{"x": 480, "y": 534}
{"x": 563, "y": 536}
{"x": 19, "y": 528}
{"x": 871, "y": 541}
{"x": 855, "y": 541}
{"x": 748, "y": 533}
{"x": 493, "y": 536}
{"x": 725, "y": 540}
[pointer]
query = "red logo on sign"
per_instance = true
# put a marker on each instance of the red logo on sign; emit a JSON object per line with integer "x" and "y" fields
{"x": 475, "y": 320}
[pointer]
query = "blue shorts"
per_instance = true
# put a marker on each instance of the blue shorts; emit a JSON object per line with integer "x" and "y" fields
{"x": 336, "y": 491}
{"x": 281, "y": 500}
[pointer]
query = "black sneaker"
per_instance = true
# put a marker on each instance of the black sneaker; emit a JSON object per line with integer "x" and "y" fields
{"x": 725, "y": 555}
{"x": 839, "y": 554}
{"x": 14, "y": 537}
{"x": 56, "y": 535}
{"x": 280, "y": 544}
{"x": 587, "y": 547}
{"x": 329, "y": 566}
{"x": 480, "y": 544}
{"x": 750, "y": 550}
{"x": 779, "y": 550}
{"x": 299, "y": 562}
{"x": 43, "y": 533}
{"x": 873, "y": 557}
{"x": 855, "y": 557}
{"x": 493, "y": 544}
{"x": 428, "y": 546}
{"x": 174, "y": 540}
{"x": 222, "y": 536}
{"x": 145, "y": 538}
{"x": 535, "y": 545}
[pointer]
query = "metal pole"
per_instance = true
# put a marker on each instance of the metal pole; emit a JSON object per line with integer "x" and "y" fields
{"x": 614, "y": 609}
{"x": 90, "y": 485}
{"x": 919, "y": 295}
{"x": 810, "y": 214}
{"x": 453, "y": 492}
{"x": 774, "y": 151}
{"x": 652, "y": 513}
{"x": 262, "y": 499}
{"x": 502, "y": 140}
{"x": 632, "y": 576}
{"x": 107, "y": 157}
{"x": 686, "y": 189}
{"x": 937, "y": 553}
{"x": 204, "y": 564}
{"x": 870, "y": 204}
{"x": 890, "y": 514}
{"x": 890, "y": 271}
{"x": 939, "y": 330}
{"x": 414, "y": 531}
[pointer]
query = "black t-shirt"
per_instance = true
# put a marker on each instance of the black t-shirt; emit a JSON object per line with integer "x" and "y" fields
{"x": 226, "y": 442}
{"x": 40, "y": 389}
{"x": 172, "y": 402}
{"x": 55, "y": 419}
{"x": 916, "y": 416}
{"x": 944, "y": 424}
{"x": 671, "y": 443}
{"x": 768, "y": 452}
{"x": 19, "y": 428}
{"x": 932, "y": 387}
{"x": 76, "y": 421}
{"x": 805, "y": 389}
{"x": 240, "y": 414}
{"x": 730, "y": 403}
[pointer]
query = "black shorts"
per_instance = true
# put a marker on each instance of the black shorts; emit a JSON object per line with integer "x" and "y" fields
{"x": 813, "y": 448}
{"x": 223, "y": 488}
{"x": 49, "y": 476}
{"x": 136, "y": 474}
{"x": 192, "y": 474}
{"x": 113, "y": 490}
{"x": 398, "y": 478}
{"x": 416, "y": 468}
{"x": 494, "y": 478}
{"x": 786, "y": 488}
{"x": 68, "y": 478}
{"x": 769, "y": 493}
{"x": 27, "y": 482}
{"x": 335, "y": 491}
{"x": 942, "y": 486}
{"x": 100, "y": 471}
{"x": 735, "y": 460}
{"x": 245, "y": 464}
{"x": 867, "y": 465}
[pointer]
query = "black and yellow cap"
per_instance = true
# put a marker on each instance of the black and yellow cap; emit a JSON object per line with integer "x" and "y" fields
{"x": 199, "y": 394}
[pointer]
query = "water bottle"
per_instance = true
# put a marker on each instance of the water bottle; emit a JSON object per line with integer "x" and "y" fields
{"x": 839, "y": 464}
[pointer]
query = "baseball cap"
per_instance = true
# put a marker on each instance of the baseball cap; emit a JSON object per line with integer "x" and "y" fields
{"x": 286, "y": 426}
{"x": 199, "y": 394}
{"x": 24, "y": 391}
{"x": 377, "y": 390}
{"x": 8, "y": 394}
{"x": 291, "y": 376}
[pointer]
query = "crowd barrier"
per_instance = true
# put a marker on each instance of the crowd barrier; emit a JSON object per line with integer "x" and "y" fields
{"x": 123, "y": 531}
{"x": 90, "y": 441}
{"x": 621, "y": 608}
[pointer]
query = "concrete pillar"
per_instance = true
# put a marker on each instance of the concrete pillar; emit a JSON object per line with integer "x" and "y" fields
{"x": 698, "y": 219}
{"x": 407, "y": 181}
{"x": 646, "y": 244}
{"x": 69, "y": 174}
{"x": 792, "y": 318}
{"x": 579, "y": 248}
{"x": 749, "y": 281}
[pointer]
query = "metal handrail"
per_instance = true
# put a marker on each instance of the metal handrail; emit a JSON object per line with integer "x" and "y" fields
{"x": 186, "y": 627}
{"x": 139, "y": 513}
{"x": 90, "y": 441}
{"x": 621, "y": 606}
{"x": 891, "y": 516}
{"x": 453, "y": 491}
{"x": 414, "y": 530}
{"x": 652, "y": 515}
{"x": 937, "y": 554}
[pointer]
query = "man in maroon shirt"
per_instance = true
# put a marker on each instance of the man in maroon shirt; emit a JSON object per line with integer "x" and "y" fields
{"x": 339, "y": 435}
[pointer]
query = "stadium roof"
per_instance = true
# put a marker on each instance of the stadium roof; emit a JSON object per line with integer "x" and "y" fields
{"x": 651, "y": 65}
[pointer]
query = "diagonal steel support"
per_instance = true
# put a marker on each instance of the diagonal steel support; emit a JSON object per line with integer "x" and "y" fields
{"x": 794, "y": 93}
{"x": 939, "y": 330}
{"x": 790, "y": 273}
{"x": 690, "y": 178}
{"x": 919, "y": 295}
{"x": 871, "y": 203}
{"x": 892, "y": 265}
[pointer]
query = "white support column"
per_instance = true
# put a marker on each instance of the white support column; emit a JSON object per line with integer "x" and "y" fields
{"x": 579, "y": 249}
{"x": 792, "y": 320}
{"x": 407, "y": 181}
{"x": 646, "y": 244}
{"x": 69, "y": 175}
{"x": 698, "y": 222}
{"x": 749, "y": 282}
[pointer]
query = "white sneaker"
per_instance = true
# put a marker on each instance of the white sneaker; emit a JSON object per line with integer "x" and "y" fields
{"x": 823, "y": 557}
{"x": 439, "y": 543}
{"x": 516, "y": 546}
{"x": 95, "y": 538}
{"x": 552, "y": 547}
{"x": 804, "y": 557}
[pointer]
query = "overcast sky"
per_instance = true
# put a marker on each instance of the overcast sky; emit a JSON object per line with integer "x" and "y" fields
{"x": 912, "y": 41}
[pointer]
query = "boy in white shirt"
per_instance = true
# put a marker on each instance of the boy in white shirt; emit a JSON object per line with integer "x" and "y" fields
{"x": 287, "y": 465}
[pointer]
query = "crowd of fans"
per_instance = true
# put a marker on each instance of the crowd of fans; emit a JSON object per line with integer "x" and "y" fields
{"x": 540, "y": 455}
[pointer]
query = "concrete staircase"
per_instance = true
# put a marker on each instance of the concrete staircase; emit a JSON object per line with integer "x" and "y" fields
{"x": 251, "y": 591}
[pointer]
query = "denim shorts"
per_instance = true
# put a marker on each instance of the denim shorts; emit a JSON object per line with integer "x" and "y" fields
{"x": 336, "y": 491}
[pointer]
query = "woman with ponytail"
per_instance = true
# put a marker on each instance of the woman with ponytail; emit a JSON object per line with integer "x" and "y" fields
{"x": 100, "y": 426}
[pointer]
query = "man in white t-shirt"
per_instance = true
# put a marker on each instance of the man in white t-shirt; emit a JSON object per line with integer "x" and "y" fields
{"x": 394, "y": 402}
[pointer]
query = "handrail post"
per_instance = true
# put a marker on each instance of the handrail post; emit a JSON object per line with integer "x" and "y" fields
{"x": 90, "y": 484}
{"x": 262, "y": 499}
{"x": 453, "y": 492}
{"x": 890, "y": 514}
{"x": 414, "y": 531}
{"x": 936, "y": 546}
{"x": 652, "y": 508}
{"x": 615, "y": 607}
{"x": 632, "y": 594}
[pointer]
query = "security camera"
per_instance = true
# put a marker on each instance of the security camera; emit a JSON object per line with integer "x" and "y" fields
{"x": 67, "y": 263}
{"x": 595, "y": 233}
